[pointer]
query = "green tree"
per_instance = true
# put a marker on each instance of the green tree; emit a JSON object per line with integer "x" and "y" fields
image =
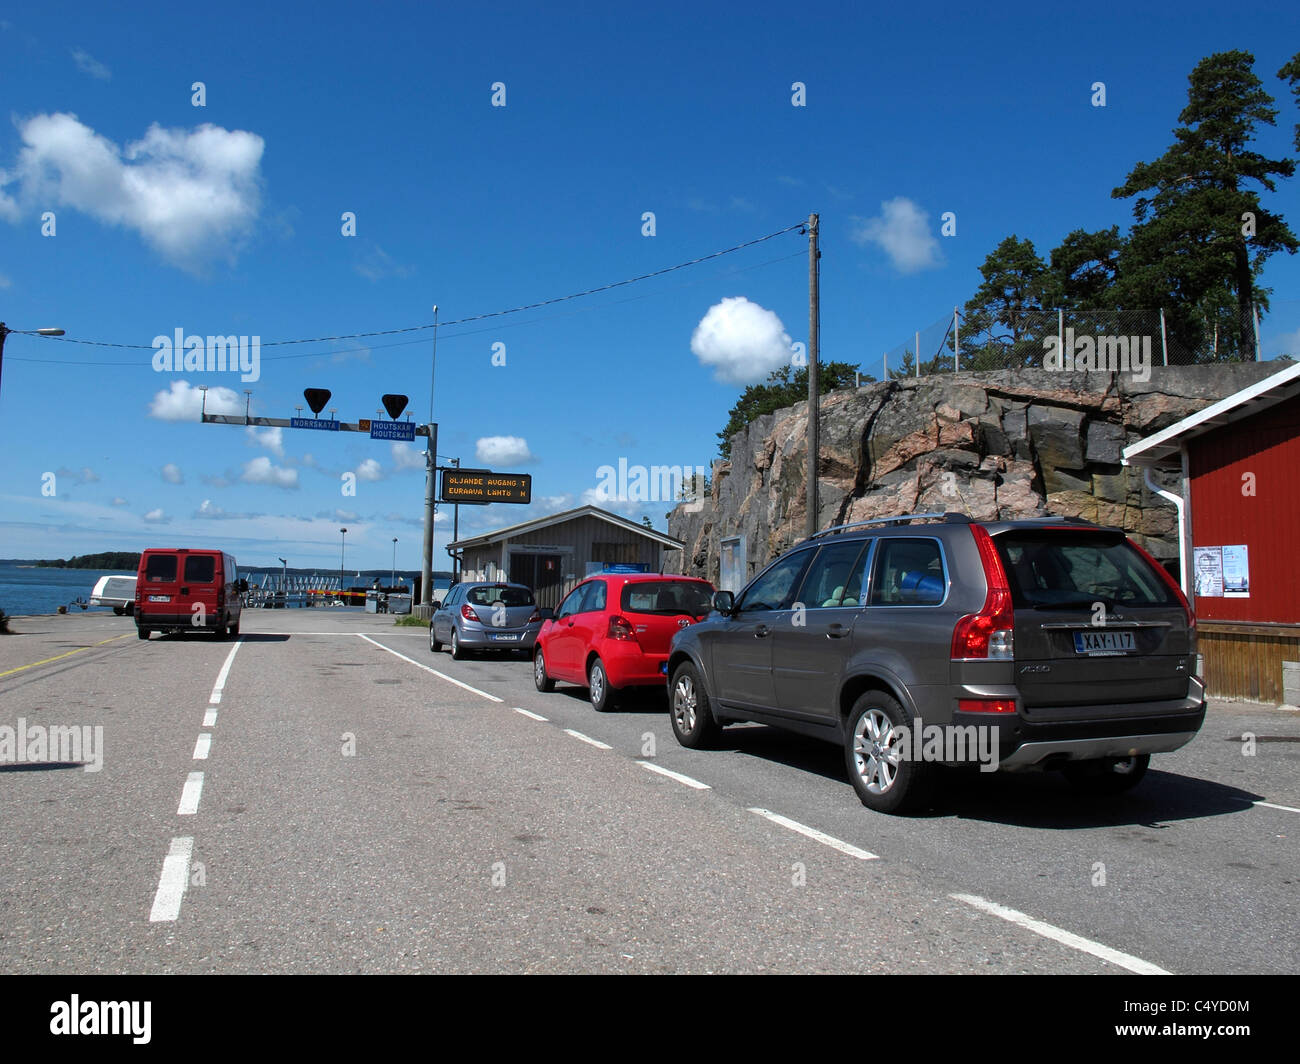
{"x": 1083, "y": 269}
{"x": 1002, "y": 324}
{"x": 784, "y": 387}
{"x": 1291, "y": 72}
{"x": 1199, "y": 228}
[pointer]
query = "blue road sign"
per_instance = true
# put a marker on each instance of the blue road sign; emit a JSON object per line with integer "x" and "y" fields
{"x": 314, "y": 423}
{"x": 392, "y": 430}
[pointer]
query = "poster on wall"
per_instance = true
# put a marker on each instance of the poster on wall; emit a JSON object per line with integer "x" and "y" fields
{"x": 1236, "y": 572}
{"x": 1209, "y": 572}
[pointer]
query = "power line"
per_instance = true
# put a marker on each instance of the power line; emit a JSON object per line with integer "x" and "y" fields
{"x": 445, "y": 324}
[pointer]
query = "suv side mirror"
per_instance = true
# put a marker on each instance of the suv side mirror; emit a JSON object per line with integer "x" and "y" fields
{"x": 724, "y": 602}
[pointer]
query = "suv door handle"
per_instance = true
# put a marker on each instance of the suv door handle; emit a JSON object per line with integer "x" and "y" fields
{"x": 761, "y": 631}
{"x": 836, "y": 631}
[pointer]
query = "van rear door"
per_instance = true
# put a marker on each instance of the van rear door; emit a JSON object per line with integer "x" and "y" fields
{"x": 202, "y": 590}
{"x": 159, "y": 588}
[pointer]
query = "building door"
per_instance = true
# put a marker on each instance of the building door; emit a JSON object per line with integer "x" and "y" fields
{"x": 544, "y": 573}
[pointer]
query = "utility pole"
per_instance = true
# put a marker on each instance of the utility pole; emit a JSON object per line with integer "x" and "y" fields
{"x": 455, "y": 534}
{"x": 430, "y": 486}
{"x": 814, "y": 398}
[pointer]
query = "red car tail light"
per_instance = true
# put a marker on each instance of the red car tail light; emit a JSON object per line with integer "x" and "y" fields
{"x": 620, "y": 628}
{"x": 537, "y": 616}
{"x": 986, "y": 705}
{"x": 989, "y": 634}
{"x": 467, "y": 612}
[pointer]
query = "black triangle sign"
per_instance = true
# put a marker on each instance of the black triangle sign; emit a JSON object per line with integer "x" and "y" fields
{"x": 395, "y": 404}
{"x": 316, "y": 398}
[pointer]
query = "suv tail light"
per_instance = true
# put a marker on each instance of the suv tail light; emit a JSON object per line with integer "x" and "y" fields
{"x": 620, "y": 628}
{"x": 1178, "y": 594}
{"x": 467, "y": 612}
{"x": 991, "y": 632}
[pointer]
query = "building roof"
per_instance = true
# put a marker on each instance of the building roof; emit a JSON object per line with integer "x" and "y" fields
{"x": 1162, "y": 445}
{"x": 524, "y": 527}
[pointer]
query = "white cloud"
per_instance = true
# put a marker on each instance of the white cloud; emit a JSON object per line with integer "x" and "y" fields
{"x": 192, "y": 195}
{"x": 742, "y": 341}
{"x": 495, "y": 451}
{"x": 597, "y": 497}
{"x": 369, "y": 469}
{"x": 261, "y": 471}
{"x": 183, "y": 402}
{"x": 271, "y": 439}
{"x": 5, "y": 282}
{"x": 407, "y": 457}
{"x": 156, "y": 517}
{"x": 88, "y": 64}
{"x": 902, "y": 231}
{"x": 119, "y": 501}
{"x": 171, "y": 473}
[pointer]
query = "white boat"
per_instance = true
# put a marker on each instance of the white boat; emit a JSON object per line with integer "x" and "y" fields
{"x": 115, "y": 591}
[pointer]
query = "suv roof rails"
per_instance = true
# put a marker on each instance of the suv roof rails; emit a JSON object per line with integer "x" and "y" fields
{"x": 950, "y": 518}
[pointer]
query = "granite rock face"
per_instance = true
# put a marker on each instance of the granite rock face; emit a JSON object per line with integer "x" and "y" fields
{"x": 1000, "y": 444}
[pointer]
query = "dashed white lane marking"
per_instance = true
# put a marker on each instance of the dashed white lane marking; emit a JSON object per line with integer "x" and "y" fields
{"x": 818, "y": 836}
{"x": 529, "y": 713}
{"x": 201, "y": 747}
{"x": 1066, "y": 938}
{"x": 696, "y": 784}
{"x": 1270, "y": 805}
{"x": 440, "y": 675}
{"x": 225, "y": 671}
{"x": 190, "y": 794}
{"x": 209, "y": 718}
{"x": 588, "y": 739}
{"x": 171, "y": 885}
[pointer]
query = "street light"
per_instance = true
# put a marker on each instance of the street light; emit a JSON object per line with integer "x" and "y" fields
{"x": 284, "y": 581}
{"x": 5, "y": 331}
{"x": 392, "y": 580}
{"x": 342, "y": 545}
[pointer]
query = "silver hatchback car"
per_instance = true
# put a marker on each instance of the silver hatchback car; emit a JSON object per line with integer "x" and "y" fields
{"x": 486, "y": 616}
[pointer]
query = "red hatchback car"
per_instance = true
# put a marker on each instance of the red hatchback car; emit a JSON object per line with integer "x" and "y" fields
{"x": 613, "y": 631}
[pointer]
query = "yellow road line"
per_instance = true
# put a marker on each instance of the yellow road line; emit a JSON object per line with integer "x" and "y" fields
{"x": 10, "y": 672}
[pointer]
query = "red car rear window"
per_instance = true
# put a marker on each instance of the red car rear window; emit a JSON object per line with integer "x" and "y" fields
{"x": 160, "y": 567}
{"x": 667, "y": 597}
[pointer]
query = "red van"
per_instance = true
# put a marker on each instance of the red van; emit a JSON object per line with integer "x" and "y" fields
{"x": 183, "y": 590}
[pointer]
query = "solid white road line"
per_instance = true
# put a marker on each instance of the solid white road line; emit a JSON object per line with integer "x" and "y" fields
{"x": 1066, "y": 938}
{"x": 171, "y": 885}
{"x": 529, "y": 713}
{"x": 1270, "y": 805}
{"x": 696, "y": 784}
{"x": 201, "y": 747}
{"x": 225, "y": 671}
{"x": 440, "y": 675}
{"x": 209, "y": 718}
{"x": 190, "y": 794}
{"x": 818, "y": 836}
{"x": 588, "y": 739}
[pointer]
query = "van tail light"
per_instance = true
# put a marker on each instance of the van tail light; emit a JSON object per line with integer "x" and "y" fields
{"x": 989, "y": 634}
{"x": 620, "y": 628}
{"x": 467, "y": 612}
{"x": 1173, "y": 586}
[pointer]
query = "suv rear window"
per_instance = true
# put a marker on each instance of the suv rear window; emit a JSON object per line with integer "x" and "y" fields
{"x": 666, "y": 597}
{"x": 1065, "y": 570}
{"x": 160, "y": 567}
{"x": 200, "y": 569}
{"x": 511, "y": 596}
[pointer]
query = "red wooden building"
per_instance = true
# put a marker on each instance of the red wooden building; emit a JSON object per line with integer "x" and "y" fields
{"x": 1239, "y": 467}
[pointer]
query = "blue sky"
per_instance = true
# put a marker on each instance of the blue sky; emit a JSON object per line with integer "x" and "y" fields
{"x": 226, "y": 219}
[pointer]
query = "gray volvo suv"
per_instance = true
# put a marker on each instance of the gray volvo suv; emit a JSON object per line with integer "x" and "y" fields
{"x": 935, "y": 639}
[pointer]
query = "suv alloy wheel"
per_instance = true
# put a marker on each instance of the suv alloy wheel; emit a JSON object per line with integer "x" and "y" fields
{"x": 884, "y": 780}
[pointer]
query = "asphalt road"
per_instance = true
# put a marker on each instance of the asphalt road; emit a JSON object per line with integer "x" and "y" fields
{"x": 358, "y": 812}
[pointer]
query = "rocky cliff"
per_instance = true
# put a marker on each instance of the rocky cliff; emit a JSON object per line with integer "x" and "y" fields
{"x": 995, "y": 444}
